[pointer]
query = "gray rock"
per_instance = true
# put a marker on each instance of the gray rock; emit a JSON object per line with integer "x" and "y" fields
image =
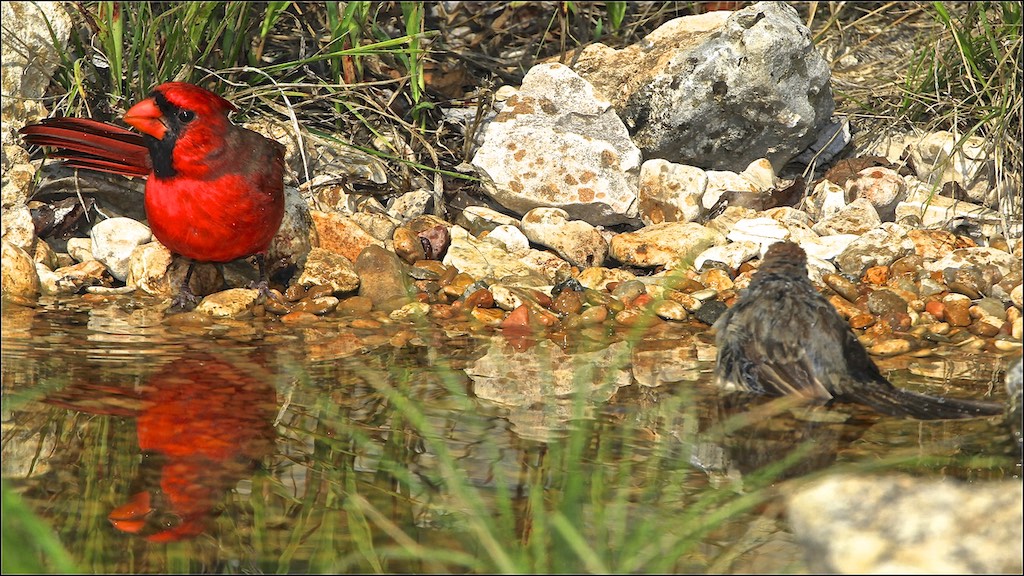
{"x": 719, "y": 90}
{"x": 558, "y": 144}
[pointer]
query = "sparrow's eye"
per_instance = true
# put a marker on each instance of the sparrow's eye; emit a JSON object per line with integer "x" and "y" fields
{"x": 186, "y": 116}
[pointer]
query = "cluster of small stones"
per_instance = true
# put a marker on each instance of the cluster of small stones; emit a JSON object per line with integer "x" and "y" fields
{"x": 897, "y": 309}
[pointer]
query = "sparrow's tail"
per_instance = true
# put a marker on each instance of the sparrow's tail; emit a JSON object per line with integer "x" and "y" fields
{"x": 93, "y": 145}
{"x": 893, "y": 401}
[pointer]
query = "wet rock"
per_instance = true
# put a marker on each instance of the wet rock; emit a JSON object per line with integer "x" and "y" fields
{"x": 716, "y": 279}
{"x": 966, "y": 281}
{"x": 574, "y": 240}
{"x": 892, "y": 347}
{"x": 71, "y": 279}
{"x": 670, "y": 192}
{"x": 669, "y": 244}
{"x": 842, "y": 286}
{"x": 686, "y": 98}
{"x": 319, "y": 305}
{"x": 296, "y": 236}
{"x": 557, "y": 115}
{"x": 383, "y": 279}
{"x": 113, "y": 241}
{"x": 597, "y": 278}
{"x": 709, "y": 311}
{"x": 885, "y": 303}
{"x": 857, "y": 217}
{"x": 19, "y": 279}
{"x": 341, "y": 235}
{"x": 324, "y": 267}
{"x": 233, "y": 303}
{"x": 670, "y": 310}
{"x": 435, "y": 240}
{"x": 879, "y": 525}
{"x": 407, "y": 245}
{"x": 80, "y": 249}
{"x": 148, "y": 269}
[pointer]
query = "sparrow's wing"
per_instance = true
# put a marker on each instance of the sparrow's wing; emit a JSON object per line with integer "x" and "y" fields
{"x": 764, "y": 351}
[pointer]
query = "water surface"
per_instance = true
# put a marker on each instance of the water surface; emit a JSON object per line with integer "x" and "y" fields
{"x": 257, "y": 447}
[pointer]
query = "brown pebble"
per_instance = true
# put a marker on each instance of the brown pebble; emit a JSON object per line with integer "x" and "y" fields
{"x": 567, "y": 302}
{"x": 890, "y": 347}
{"x": 842, "y": 286}
{"x": 299, "y": 318}
{"x": 295, "y": 292}
{"x": 861, "y": 321}
{"x": 320, "y": 305}
{"x": 407, "y": 245}
{"x": 957, "y": 310}
{"x": 594, "y": 315}
{"x": 488, "y": 316}
{"x": 877, "y": 275}
{"x": 365, "y": 323}
{"x": 318, "y": 291}
{"x": 441, "y": 311}
{"x": 276, "y": 306}
{"x": 355, "y": 305}
{"x": 482, "y": 298}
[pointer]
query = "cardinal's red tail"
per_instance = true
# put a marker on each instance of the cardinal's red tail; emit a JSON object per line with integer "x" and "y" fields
{"x": 91, "y": 145}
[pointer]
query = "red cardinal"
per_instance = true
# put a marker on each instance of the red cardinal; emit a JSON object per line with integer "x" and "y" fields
{"x": 214, "y": 191}
{"x": 203, "y": 423}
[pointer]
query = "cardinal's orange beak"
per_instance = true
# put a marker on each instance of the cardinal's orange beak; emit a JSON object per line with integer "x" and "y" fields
{"x": 147, "y": 118}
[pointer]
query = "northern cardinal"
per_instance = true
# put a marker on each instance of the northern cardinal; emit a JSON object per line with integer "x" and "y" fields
{"x": 203, "y": 423}
{"x": 214, "y": 191}
{"x": 783, "y": 337}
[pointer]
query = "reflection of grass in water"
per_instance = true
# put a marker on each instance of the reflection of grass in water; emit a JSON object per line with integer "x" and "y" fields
{"x": 585, "y": 504}
{"x": 387, "y": 464}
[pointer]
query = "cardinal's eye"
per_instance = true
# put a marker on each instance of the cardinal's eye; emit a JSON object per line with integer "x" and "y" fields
{"x": 186, "y": 116}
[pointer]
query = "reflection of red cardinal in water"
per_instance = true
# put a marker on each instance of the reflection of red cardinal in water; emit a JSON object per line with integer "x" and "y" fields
{"x": 202, "y": 425}
{"x": 214, "y": 191}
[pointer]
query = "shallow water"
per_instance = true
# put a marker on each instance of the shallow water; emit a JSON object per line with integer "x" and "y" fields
{"x": 257, "y": 447}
